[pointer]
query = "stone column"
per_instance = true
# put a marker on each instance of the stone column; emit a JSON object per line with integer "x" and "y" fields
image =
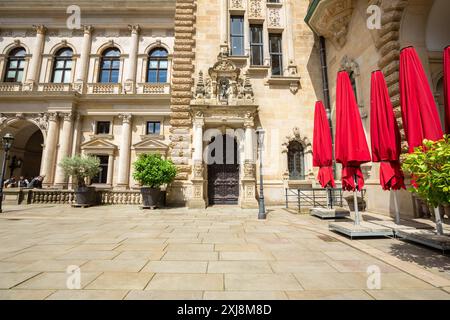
{"x": 292, "y": 68}
{"x": 49, "y": 152}
{"x": 109, "y": 179}
{"x": 36, "y": 59}
{"x": 76, "y": 135}
{"x": 224, "y": 26}
{"x": 248, "y": 191}
{"x": 197, "y": 199}
{"x": 125, "y": 150}
{"x": 130, "y": 83}
{"x": 65, "y": 144}
{"x": 83, "y": 67}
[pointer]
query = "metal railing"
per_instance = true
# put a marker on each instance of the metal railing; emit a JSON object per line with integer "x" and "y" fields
{"x": 313, "y": 198}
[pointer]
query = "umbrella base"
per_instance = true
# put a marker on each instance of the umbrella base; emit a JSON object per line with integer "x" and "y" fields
{"x": 427, "y": 238}
{"x": 364, "y": 230}
{"x": 322, "y": 213}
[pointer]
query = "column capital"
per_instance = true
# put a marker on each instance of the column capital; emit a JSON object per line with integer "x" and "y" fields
{"x": 135, "y": 29}
{"x": 40, "y": 29}
{"x": 53, "y": 116}
{"x": 126, "y": 117}
{"x": 199, "y": 119}
{"x": 249, "y": 121}
{"x": 68, "y": 116}
{"x": 88, "y": 29}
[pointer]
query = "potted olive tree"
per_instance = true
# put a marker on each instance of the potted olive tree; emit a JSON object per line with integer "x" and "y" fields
{"x": 429, "y": 167}
{"x": 80, "y": 168}
{"x": 152, "y": 172}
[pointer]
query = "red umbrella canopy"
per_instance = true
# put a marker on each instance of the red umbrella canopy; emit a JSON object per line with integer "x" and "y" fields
{"x": 419, "y": 111}
{"x": 323, "y": 147}
{"x": 351, "y": 144}
{"x": 385, "y": 135}
{"x": 447, "y": 88}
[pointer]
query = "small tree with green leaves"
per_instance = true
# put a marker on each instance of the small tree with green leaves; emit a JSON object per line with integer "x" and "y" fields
{"x": 80, "y": 168}
{"x": 151, "y": 170}
{"x": 429, "y": 166}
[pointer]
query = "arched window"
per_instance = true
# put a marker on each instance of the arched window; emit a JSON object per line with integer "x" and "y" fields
{"x": 110, "y": 66}
{"x": 15, "y": 65}
{"x": 62, "y": 66}
{"x": 296, "y": 163}
{"x": 157, "y": 66}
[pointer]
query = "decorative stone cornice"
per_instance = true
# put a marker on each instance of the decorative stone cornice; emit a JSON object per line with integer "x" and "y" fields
{"x": 330, "y": 19}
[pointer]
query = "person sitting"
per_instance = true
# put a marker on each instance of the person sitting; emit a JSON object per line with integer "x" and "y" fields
{"x": 36, "y": 183}
{"x": 23, "y": 182}
{"x": 11, "y": 183}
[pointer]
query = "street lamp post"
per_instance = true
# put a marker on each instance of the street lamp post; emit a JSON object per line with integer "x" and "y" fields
{"x": 262, "y": 208}
{"x": 7, "y": 143}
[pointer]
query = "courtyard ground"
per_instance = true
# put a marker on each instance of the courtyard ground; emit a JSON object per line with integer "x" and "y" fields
{"x": 219, "y": 253}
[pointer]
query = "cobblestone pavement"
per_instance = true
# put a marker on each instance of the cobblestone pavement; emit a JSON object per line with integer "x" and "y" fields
{"x": 220, "y": 253}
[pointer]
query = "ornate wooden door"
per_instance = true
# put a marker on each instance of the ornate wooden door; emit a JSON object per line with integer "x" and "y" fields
{"x": 223, "y": 177}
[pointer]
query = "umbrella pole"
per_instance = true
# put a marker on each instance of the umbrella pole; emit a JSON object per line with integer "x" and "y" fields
{"x": 355, "y": 202}
{"x": 439, "y": 229}
{"x": 396, "y": 208}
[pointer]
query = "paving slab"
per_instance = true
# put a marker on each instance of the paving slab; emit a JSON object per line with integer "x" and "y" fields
{"x": 55, "y": 280}
{"x": 176, "y": 267}
{"x": 88, "y": 295}
{"x": 329, "y": 295}
{"x": 24, "y": 294}
{"x": 11, "y": 279}
{"x": 241, "y": 267}
{"x": 261, "y": 282}
{"x": 121, "y": 281}
{"x": 186, "y": 282}
{"x": 245, "y": 295}
{"x": 164, "y": 295}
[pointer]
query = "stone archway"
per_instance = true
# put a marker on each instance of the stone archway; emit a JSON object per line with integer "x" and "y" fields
{"x": 26, "y": 153}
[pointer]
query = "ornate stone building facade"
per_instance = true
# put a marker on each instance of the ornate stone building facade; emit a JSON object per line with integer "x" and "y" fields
{"x": 182, "y": 77}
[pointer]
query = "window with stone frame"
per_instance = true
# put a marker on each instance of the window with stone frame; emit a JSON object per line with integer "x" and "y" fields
{"x": 153, "y": 127}
{"x": 62, "y": 66}
{"x": 102, "y": 176}
{"x": 15, "y": 66}
{"x": 110, "y": 66}
{"x": 276, "y": 54}
{"x": 296, "y": 161}
{"x": 256, "y": 45}
{"x": 103, "y": 127}
{"x": 237, "y": 35}
{"x": 158, "y": 64}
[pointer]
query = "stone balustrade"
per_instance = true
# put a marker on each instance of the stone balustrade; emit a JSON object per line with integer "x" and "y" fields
{"x": 55, "y": 87}
{"x": 104, "y": 88}
{"x": 153, "y": 88}
{"x": 53, "y": 196}
{"x": 10, "y": 87}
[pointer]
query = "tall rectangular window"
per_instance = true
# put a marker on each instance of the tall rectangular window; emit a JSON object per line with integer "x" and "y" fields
{"x": 237, "y": 35}
{"x": 276, "y": 54}
{"x": 256, "y": 45}
{"x": 102, "y": 176}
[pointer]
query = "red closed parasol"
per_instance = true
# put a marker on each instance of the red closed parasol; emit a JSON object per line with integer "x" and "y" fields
{"x": 385, "y": 135}
{"x": 351, "y": 144}
{"x": 419, "y": 110}
{"x": 447, "y": 88}
{"x": 323, "y": 147}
